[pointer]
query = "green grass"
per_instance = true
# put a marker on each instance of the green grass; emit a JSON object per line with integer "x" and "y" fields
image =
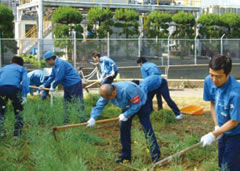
{"x": 94, "y": 148}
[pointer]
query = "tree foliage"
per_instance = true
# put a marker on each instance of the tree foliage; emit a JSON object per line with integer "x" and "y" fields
{"x": 184, "y": 25}
{"x": 66, "y": 19}
{"x": 157, "y": 24}
{"x": 231, "y": 22}
{"x": 6, "y": 29}
{"x": 66, "y": 15}
{"x": 127, "y": 20}
{"x": 100, "y": 22}
{"x": 210, "y": 26}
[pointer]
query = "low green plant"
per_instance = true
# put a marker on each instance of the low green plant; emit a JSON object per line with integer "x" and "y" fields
{"x": 33, "y": 59}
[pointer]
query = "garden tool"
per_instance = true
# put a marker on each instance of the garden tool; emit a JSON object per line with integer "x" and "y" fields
{"x": 96, "y": 82}
{"x": 79, "y": 124}
{"x": 51, "y": 93}
{"x": 35, "y": 87}
{"x": 178, "y": 154}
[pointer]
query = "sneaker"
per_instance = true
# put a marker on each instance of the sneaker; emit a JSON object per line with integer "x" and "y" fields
{"x": 179, "y": 117}
{"x": 123, "y": 160}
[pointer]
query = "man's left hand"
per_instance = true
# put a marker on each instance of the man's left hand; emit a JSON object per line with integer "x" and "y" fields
{"x": 122, "y": 118}
{"x": 207, "y": 139}
{"x": 51, "y": 89}
{"x": 24, "y": 100}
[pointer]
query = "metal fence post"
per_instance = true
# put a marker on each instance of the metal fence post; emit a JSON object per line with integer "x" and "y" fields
{"x": 195, "y": 50}
{"x": 222, "y": 44}
{"x": 139, "y": 45}
{"x": 108, "y": 44}
{"x": 168, "y": 61}
{"x": 74, "y": 49}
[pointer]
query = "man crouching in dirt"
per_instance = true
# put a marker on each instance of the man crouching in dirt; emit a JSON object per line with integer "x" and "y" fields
{"x": 222, "y": 90}
{"x": 133, "y": 101}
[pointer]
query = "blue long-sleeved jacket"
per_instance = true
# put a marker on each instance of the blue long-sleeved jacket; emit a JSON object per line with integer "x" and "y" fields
{"x": 129, "y": 97}
{"x": 36, "y": 77}
{"x": 149, "y": 68}
{"x": 15, "y": 75}
{"x": 64, "y": 73}
{"x": 108, "y": 66}
{"x": 150, "y": 83}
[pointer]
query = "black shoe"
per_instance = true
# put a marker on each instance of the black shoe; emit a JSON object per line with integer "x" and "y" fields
{"x": 123, "y": 160}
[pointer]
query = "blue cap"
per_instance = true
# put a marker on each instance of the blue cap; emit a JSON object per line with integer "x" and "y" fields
{"x": 48, "y": 55}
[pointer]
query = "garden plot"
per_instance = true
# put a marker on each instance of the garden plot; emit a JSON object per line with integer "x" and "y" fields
{"x": 96, "y": 148}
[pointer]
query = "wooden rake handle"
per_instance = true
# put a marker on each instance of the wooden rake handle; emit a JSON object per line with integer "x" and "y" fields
{"x": 170, "y": 158}
{"x": 35, "y": 87}
{"x": 91, "y": 84}
{"x": 83, "y": 124}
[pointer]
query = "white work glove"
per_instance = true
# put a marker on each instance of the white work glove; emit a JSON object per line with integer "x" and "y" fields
{"x": 91, "y": 122}
{"x": 112, "y": 74}
{"x": 215, "y": 129}
{"x": 24, "y": 100}
{"x": 207, "y": 139}
{"x": 100, "y": 80}
{"x": 41, "y": 87}
{"x": 122, "y": 118}
{"x": 51, "y": 89}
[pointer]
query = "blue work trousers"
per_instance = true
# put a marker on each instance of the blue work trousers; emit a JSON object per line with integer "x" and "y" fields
{"x": 110, "y": 79}
{"x": 229, "y": 153}
{"x": 74, "y": 94}
{"x": 14, "y": 94}
{"x": 164, "y": 91}
{"x": 125, "y": 133}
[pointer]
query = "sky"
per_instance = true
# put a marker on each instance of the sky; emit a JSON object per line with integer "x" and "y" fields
{"x": 234, "y": 3}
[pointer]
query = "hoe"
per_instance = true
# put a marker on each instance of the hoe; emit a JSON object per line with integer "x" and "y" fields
{"x": 80, "y": 124}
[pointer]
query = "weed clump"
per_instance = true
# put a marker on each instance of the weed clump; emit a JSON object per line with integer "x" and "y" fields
{"x": 163, "y": 116}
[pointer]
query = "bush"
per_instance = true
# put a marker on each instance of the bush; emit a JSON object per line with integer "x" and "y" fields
{"x": 32, "y": 59}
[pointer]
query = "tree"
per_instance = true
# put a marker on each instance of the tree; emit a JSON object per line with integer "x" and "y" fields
{"x": 232, "y": 23}
{"x": 127, "y": 21}
{"x": 66, "y": 19}
{"x": 6, "y": 30}
{"x": 99, "y": 22}
{"x": 157, "y": 24}
{"x": 185, "y": 23}
{"x": 210, "y": 26}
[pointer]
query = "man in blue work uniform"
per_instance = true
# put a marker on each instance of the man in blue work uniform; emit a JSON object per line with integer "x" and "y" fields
{"x": 64, "y": 73}
{"x": 108, "y": 67}
{"x": 13, "y": 85}
{"x": 37, "y": 78}
{"x": 133, "y": 101}
{"x": 223, "y": 91}
{"x": 147, "y": 69}
{"x": 154, "y": 84}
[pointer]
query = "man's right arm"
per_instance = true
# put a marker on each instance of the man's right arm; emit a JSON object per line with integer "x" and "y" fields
{"x": 97, "y": 110}
{"x": 213, "y": 112}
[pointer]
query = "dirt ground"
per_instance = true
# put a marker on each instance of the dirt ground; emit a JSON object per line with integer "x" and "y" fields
{"x": 191, "y": 124}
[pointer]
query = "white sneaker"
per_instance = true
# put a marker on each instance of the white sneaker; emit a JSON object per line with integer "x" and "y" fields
{"x": 179, "y": 117}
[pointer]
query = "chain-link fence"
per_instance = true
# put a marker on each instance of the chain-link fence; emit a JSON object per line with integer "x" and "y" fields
{"x": 164, "y": 52}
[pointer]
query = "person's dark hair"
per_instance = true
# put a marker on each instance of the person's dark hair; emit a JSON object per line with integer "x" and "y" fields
{"x": 96, "y": 55}
{"x": 136, "y": 81}
{"x": 18, "y": 60}
{"x": 53, "y": 57}
{"x": 221, "y": 62}
{"x": 141, "y": 60}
